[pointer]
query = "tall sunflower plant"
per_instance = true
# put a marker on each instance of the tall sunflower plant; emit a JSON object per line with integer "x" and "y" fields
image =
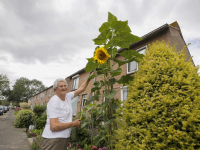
{"x": 114, "y": 35}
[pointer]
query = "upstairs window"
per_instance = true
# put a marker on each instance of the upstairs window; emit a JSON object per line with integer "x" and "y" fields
{"x": 75, "y": 82}
{"x": 133, "y": 66}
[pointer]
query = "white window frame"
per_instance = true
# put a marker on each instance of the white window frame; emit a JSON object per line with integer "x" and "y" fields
{"x": 127, "y": 65}
{"x": 122, "y": 93}
{"x": 84, "y": 97}
{"x": 75, "y": 78}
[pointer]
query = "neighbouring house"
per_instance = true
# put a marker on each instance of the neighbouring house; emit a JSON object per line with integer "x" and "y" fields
{"x": 168, "y": 32}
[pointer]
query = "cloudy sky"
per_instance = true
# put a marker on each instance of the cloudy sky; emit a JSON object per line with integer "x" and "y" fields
{"x": 48, "y": 39}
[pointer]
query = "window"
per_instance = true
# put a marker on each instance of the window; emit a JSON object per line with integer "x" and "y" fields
{"x": 42, "y": 95}
{"x": 74, "y": 105}
{"x": 133, "y": 66}
{"x": 75, "y": 82}
{"x": 124, "y": 92}
{"x": 84, "y": 100}
{"x": 50, "y": 92}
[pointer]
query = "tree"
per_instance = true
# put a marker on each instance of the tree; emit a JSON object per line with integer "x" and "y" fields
{"x": 24, "y": 88}
{"x": 4, "y": 83}
{"x": 162, "y": 108}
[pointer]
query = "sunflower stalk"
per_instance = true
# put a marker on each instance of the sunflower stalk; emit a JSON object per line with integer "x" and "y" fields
{"x": 113, "y": 34}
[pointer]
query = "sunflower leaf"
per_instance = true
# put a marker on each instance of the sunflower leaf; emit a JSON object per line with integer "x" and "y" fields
{"x": 111, "y": 19}
{"x": 128, "y": 54}
{"x": 92, "y": 76}
{"x": 111, "y": 94}
{"x": 91, "y": 65}
{"x": 120, "y": 63}
{"x": 101, "y": 39}
{"x": 116, "y": 72}
{"x": 95, "y": 88}
{"x": 122, "y": 26}
{"x": 114, "y": 106}
{"x": 124, "y": 39}
{"x": 104, "y": 26}
{"x": 96, "y": 83}
{"x": 125, "y": 79}
{"x": 112, "y": 81}
{"x": 114, "y": 52}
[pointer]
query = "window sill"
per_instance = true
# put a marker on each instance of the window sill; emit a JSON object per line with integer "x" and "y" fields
{"x": 73, "y": 89}
{"x": 131, "y": 72}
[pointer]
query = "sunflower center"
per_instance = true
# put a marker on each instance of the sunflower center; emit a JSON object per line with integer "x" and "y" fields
{"x": 101, "y": 55}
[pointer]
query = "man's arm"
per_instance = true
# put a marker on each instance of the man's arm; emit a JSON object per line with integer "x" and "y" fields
{"x": 55, "y": 125}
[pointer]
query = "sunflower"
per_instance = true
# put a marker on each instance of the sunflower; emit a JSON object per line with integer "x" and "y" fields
{"x": 101, "y": 55}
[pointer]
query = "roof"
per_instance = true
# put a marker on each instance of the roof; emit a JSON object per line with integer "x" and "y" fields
{"x": 148, "y": 35}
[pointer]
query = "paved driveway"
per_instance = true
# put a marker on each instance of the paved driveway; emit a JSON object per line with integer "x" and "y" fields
{"x": 12, "y": 138}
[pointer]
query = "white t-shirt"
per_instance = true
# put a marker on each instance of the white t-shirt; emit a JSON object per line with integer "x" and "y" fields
{"x": 56, "y": 108}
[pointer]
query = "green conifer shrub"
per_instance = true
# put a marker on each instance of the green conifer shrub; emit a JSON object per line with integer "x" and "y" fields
{"x": 162, "y": 110}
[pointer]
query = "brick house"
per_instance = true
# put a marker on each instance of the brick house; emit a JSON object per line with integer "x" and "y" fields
{"x": 168, "y": 32}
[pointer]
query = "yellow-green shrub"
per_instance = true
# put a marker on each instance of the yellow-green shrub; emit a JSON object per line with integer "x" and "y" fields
{"x": 162, "y": 110}
{"x": 22, "y": 118}
{"x": 25, "y": 105}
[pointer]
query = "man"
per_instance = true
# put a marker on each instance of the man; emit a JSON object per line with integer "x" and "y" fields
{"x": 59, "y": 116}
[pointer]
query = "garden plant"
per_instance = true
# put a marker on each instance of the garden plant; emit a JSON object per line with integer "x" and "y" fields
{"x": 22, "y": 118}
{"x": 114, "y": 34}
{"x": 162, "y": 110}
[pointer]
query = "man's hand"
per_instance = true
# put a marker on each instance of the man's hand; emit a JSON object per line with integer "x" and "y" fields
{"x": 77, "y": 123}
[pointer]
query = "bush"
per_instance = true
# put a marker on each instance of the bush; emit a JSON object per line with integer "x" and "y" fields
{"x": 38, "y": 110}
{"x": 162, "y": 108}
{"x": 37, "y": 131}
{"x": 41, "y": 121}
{"x": 22, "y": 118}
{"x": 79, "y": 136}
{"x": 35, "y": 146}
{"x": 24, "y": 105}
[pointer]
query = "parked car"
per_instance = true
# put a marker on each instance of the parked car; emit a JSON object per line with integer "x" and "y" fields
{"x": 6, "y": 109}
{"x": 1, "y": 110}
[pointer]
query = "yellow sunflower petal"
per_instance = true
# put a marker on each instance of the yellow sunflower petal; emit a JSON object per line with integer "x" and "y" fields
{"x": 101, "y": 55}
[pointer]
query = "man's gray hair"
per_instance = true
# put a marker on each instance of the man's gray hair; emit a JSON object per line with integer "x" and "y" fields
{"x": 55, "y": 83}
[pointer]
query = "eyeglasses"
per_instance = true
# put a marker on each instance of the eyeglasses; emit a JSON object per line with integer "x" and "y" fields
{"x": 61, "y": 86}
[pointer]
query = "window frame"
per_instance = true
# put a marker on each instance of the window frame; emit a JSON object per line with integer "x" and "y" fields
{"x": 75, "y": 77}
{"x": 127, "y": 65}
{"x": 122, "y": 94}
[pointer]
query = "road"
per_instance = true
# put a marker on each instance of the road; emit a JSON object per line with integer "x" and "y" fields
{"x": 12, "y": 138}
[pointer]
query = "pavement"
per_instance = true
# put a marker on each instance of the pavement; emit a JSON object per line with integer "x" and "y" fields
{"x": 12, "y": 138}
